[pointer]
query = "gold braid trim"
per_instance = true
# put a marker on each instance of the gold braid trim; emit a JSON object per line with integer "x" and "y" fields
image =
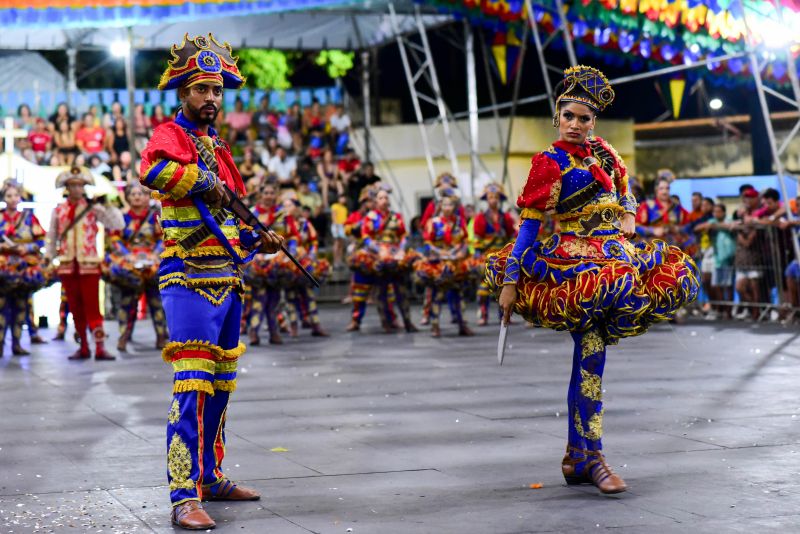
{"x": 531, "y": 213}
{"x": 588, "y": 210}
{"x": 186, "y": 182}
{"x": 193, "y": 384}
{"x": 174, "y": 346}
{"x": 225, "y": 385}
{"x": 200, "y": 250}
{"x": 181, "y": 279}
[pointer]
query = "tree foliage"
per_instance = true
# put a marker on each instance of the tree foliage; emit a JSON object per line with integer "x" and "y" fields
{"x": 266, "y": 69}
{"x": 336, "y": 62}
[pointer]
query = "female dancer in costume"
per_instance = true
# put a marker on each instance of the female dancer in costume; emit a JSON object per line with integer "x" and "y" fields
{"x": 446, "y": 268}
{"x": 493, "y": 229}
{"x": 362, "y": 263}
{"x": 267, "y": 276}
{"x": 132, "y": 265}
{"x": 588, "y": 278}
{"x": 21, "y": 242}
{"x": 300, "y": 295}
{"x": 385, "y": 241}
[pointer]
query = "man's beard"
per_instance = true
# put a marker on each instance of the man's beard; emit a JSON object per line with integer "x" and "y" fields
{"x": 199, "y": 117}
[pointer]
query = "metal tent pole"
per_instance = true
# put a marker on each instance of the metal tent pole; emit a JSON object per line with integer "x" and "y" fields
{"x": 411, "y": 80}
{"x": 130, "y": 82}
{"x": 367, "y": 103}
{"x": 472, "y": 99}
{"x": 514, "y": 99}
{"x": 540, "y": 53}
{"x": 562, "y": 14}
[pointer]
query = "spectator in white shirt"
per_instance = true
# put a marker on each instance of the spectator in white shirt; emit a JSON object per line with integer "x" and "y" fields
{"x": 284, "y": 167}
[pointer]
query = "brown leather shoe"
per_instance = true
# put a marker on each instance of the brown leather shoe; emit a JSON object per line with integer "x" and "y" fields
{"x": 354, "y": 326}
{"x": 275, "y": 339}
{"x": 191, "y": 516}
{"x": 317, "y": 331}
{"x": 254, "y": 339}
{"x": 161, "y": 342}
{"x": 436, "y": 331}
{"x": 228, "y": 491}
{"x": 602, "y": 476}
{"x": 568, "y": 467}
{"x": 464, "y": 330}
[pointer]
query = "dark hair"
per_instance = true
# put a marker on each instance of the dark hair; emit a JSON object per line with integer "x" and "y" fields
{"x": 697, "y": 194}
{"x": 721, "y": 206}
{"x": 745, "y": 187}
{"x": 661, "y": 179}
{"x": 710, "y": 201}
{"x": 25, "y": 106}
{"x": 771, "y": 194}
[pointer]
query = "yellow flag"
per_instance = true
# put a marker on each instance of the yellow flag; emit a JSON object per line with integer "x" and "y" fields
{"x": 676, "y": 88}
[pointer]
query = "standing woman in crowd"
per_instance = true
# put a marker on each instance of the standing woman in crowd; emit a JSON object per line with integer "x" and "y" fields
{"x": 385, "y": 238}
{"x": 132, "y": 265}
{"x": 267, "y": 277}
{"x": 20, "y": 264}
{"x": 492, "y": 228}
{"x": 117, "y": 140}
{"x": 587, "y": 279}
{"x": 158, "y": 117}
{"x": 445, "y": 269}
{"x": 300, "y": 295}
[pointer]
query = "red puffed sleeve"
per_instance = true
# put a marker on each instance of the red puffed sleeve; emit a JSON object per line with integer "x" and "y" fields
{"x": 401, "y": 226}
{"x": 542, "y": 188}
{"x": 169, "y": 162}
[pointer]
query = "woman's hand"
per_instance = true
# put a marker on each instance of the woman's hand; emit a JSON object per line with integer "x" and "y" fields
{"x": 628, "y": 225}
{"x": 507, "y": 300}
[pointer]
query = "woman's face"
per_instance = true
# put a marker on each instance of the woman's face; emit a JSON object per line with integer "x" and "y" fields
{"x": 12, "y": 198}
{"x": 116, "y": 108}
{"x": 289, "y": 207}
{"x": 25, "y": 112}
{"x": 137, "y": 198}
{"x": 662, "y": 191}
{"x": 575, "y": 121}
{"x": 268, "y": 196}
{"x": 158, "y": 110}
{"x": 382, "y": 200}
{"x": 62, "y": 110}
{"x": 448, "y": 206}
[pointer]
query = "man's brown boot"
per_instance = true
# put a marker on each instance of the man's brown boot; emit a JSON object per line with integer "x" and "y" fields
{"x": 228, "y": 491}
{"x": 191, "y": 516}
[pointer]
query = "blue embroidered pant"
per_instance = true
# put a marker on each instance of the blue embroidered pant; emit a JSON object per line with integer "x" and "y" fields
{"x": 585, "y": 395}
{"x": 454, "y": 302}
{"x": 204, "y": 347}
{"x": 129, "y": 306}
{"x": 13, "y": 313}
{"x": 265, "y": 303}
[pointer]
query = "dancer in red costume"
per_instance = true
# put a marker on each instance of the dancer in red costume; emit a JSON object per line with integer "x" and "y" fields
{"x": 73, "y": 240}
{"x": 588, "y": 278}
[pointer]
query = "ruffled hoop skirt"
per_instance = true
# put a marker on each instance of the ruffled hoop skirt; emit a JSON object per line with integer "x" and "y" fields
{"x": 621, "y": 288}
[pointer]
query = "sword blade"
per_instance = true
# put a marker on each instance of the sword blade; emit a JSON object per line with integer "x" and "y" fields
{"x": 501, "y": 343}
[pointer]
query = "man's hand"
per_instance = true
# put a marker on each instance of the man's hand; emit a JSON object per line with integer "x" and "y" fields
{"x": 628, "y": 225}
{"x": 507, "y": 300}
{"x": 216, "y": 197}
{"x": 269, "y": 242}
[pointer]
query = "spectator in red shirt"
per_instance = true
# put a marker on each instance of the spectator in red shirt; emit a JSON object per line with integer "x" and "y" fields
{"x": 238, "y": 122}
{"x": 41, "y": 141}
{"x": 158, "y": 117}
{"x": 90, "y": 138}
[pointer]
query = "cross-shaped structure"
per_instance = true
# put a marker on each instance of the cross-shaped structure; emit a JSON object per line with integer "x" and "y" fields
{"x": 9, "y": 133}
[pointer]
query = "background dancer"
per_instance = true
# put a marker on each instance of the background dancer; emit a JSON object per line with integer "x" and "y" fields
{"x": 73, "y": 238}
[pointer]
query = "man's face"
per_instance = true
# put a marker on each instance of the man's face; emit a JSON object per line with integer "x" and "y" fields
{"x": 662, "y": 191}
{"x": 493, "y": 199}
{"x": 88, "y": 121}
{"x": 697, "y": 200}
{"x": 719, "y": 213}
{"x": 771, "y": 204}
{"x": 382, "y": 200}
{"x": 706, "y": 206}
{"x": 201, "y": 102}
{"x": 75, "y": 189}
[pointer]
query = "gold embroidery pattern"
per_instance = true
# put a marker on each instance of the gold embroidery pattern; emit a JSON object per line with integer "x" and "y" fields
{"x": 174, "y": 412}
{"x": 579, "y": 248}
{"x": 179, "y": 464}
{"x": 591, "y": 387}
{"x": 595, "y": 431}
{"x": 555, "y": 192}
{"x": 591, "y": 344}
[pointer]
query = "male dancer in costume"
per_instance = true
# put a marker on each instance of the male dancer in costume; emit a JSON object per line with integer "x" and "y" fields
{"x": 200, "y": 275}
{"x": 73, "y": 236}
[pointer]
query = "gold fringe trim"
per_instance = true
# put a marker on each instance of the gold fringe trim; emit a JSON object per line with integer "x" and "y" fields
{"x": 193, "y": 384}
{"x": 588, "y": 210}
{"x": 185, "y": 184}
{"x": 225, "y": 385}
{"x": 234, "y": 354}
{"x": 214, "y": 298}
{"x": 181, "y": 279}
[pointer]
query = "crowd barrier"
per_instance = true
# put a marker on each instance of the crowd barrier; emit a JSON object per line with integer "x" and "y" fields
{"x": 761, "y": 289}
{"x": 43, "y": 103}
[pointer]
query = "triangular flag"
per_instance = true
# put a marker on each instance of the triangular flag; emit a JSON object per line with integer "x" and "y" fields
{"x": 676, "y": 88}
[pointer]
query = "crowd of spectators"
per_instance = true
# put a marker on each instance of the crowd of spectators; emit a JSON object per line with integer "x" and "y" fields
{"x": 742, "y": 247}
{"x": 305, "y": 152}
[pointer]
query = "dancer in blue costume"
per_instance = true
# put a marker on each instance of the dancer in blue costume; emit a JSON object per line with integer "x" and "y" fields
{"x": 200, "y": 277}
{"x": 588, "y": 278}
